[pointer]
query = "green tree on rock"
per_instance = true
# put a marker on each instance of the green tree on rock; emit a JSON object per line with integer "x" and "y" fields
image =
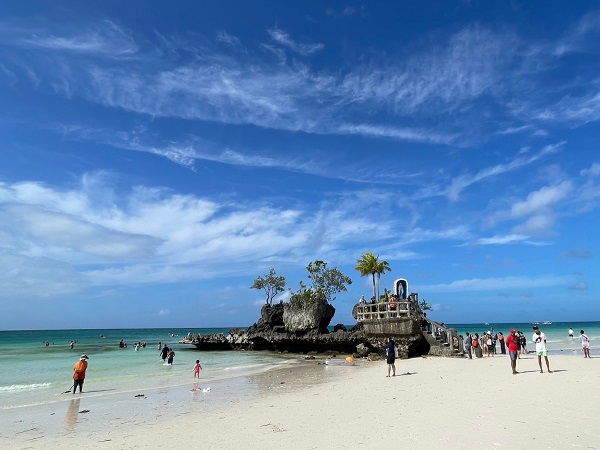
{"x": 325, "y": 283}
{"x": 369, "y": 264}
{"x": 271, "y": 284}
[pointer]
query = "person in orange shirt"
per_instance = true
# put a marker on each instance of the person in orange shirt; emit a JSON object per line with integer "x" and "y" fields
{"x": 79, "y": 373}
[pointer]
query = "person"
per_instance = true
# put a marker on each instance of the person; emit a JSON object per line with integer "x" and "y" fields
{"x": 79, "y": 373}
{"x": 585, "y": 344}
{"x": 571, "y": 333}
{"x": 523, "y": 341}
{"x": 513, "y": 349}
{"x": 540, "y": 348}
{"x": 170, "y": 357}
{"x": 390, "y": 352}
{"x": 159, "y": 346}
{"x": 502, "y": 343}
{"x": 121, "y": 344}
{"x": 468, "y": 345}
{"x": 164, "y": 352}
{"x": 489, "y": 341}
{"x": 197, "y": 369}
{"x": 71, "y": 345}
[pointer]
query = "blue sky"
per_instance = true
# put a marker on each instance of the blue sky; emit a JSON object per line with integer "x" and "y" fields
{"x": 156, "y": 157}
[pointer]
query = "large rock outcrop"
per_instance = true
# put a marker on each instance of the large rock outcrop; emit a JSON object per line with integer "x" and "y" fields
{"x": 282, "y": 327}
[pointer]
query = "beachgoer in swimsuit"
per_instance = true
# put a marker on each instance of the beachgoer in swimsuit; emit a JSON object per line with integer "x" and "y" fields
{"x": 170, "y": 357}
{"x": 197, "y": 369}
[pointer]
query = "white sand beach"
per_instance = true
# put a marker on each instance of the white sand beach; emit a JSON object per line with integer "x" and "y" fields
{"x": 433, "y": 402}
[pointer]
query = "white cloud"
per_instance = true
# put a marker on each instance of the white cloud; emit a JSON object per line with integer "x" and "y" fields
{"x": 542, "y": 199}
{"x": 500, "y": 240}
{"x": 106, "y": 39}
{"x": 581, "y": 286}
{"x": 462, "y": 182}
{"x": 492, "y": 284}
{"x": 283, "y": 38}
{"x": 592, "y": 171}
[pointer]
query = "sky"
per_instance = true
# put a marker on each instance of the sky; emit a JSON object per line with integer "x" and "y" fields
{"x": 157, "y": 157}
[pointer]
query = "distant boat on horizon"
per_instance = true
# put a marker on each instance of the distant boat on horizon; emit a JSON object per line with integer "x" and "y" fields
{"x": 547, "y": 322}
{"x": 535, "y": 323}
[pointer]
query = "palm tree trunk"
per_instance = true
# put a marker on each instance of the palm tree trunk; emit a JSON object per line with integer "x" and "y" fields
{"x": 374, "y": 293}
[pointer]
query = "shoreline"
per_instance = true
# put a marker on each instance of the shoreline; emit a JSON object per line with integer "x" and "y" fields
{"x": 433, "y": 401}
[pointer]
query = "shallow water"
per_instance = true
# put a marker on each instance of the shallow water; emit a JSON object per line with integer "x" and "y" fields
{"x": 33, "y": 373}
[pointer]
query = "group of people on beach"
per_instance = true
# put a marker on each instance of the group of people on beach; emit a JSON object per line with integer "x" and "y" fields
{"x": 516, "y": 343}
{"x": 167, "y": 354}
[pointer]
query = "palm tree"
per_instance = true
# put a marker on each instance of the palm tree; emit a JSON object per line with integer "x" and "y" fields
{"x": 369, "y": 264}
{"x": 382, "y": 267}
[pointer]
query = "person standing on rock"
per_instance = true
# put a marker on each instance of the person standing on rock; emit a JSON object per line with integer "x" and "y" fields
{"x": 391, "y": 351}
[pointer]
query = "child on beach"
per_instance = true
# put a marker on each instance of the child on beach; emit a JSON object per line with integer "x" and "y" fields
{"x": 197, "y": 369}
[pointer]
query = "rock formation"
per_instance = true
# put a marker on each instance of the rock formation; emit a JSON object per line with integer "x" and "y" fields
{"x": 283, "y": 327}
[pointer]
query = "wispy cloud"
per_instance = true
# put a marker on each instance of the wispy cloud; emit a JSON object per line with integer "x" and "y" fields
{"x": 106, "y": 38}
{"x": 228, "y": 39}
{"x": 283, "y": 38}
{"x": 577, "y": 253}
{"x": 462, "y": 182}
{"x": 581, "y": 286}
{"x": 492, "y": 284}
{"x": 501, "y": 240}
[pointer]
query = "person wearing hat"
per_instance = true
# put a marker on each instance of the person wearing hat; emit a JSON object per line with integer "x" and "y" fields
{"x": 513, "y": 349}
{"x": 540, "y": 347}
{"x": 79, "y": 373}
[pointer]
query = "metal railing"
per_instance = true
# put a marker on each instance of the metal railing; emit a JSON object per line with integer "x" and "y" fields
{"x": 385, "y": 310}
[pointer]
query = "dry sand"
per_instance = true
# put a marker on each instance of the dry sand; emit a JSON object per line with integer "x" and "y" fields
{"x": 450, "y": 403}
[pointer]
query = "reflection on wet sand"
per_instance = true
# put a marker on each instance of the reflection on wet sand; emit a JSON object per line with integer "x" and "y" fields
{"x": 195, "y": 390}
{"x": 71, "y": 416}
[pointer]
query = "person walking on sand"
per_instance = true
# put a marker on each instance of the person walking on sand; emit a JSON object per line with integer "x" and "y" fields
{"x": 170, "y": 357}
{"x": 513, "y": 350}
{"x": 197, "y": 369}
{"x": 540, "y": 348}
{"x": 585, "y": 344}
{"x": 390, "y": 352}
{"x": 468, "y": 346}
{"x": 79, "y": 373}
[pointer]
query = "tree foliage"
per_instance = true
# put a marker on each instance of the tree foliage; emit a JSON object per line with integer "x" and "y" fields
{"x": 369, "y": 264}
{"x": 425, "y": 306}
{"x": 271, "y": 283}
{"x": 324, "y": 284}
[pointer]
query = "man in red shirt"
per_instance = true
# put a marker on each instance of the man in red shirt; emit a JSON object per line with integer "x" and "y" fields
{"x": 511, "y": 342}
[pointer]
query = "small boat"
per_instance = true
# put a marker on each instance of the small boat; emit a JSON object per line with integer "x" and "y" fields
{"x": 547, "y": 322}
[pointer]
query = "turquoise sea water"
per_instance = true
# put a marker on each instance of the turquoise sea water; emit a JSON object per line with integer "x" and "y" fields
{"x": 557, "y": 334}
{"x": 33, "y": 374}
